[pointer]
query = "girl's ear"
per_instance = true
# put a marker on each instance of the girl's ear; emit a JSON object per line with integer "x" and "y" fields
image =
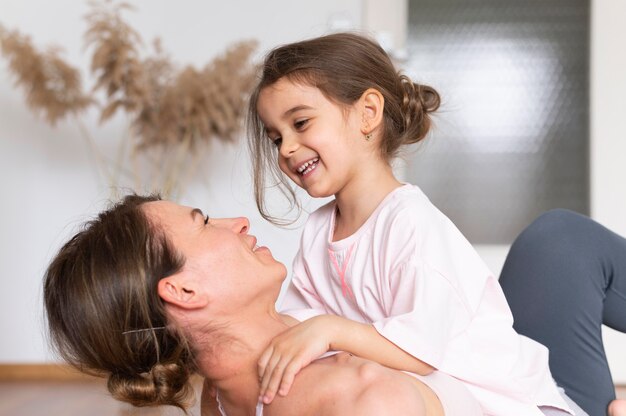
{"x": 181, "y": 292}
{"x": 373, "y": 106}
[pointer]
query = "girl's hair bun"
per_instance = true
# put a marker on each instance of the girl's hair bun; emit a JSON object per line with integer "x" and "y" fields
{"x": 418, "y": 102}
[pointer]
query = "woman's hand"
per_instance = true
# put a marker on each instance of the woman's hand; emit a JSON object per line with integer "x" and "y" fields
{"x": 291, "y": 351}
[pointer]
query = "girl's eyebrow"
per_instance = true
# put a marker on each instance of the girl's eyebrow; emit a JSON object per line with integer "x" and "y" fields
{"x": 296, "y": 108}
{"x": 270, "y": 129}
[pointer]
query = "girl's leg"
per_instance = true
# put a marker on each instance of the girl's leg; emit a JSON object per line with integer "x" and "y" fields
{"x": 564, "y": 276}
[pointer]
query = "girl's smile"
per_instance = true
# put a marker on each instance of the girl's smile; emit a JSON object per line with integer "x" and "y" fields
{"x": 308, "y": 166}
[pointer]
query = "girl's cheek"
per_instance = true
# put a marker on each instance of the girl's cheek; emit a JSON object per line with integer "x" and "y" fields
{"x": 283, "y": 166}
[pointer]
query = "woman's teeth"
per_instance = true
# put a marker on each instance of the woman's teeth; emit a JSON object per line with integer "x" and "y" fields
{"x": 308, "y": 166}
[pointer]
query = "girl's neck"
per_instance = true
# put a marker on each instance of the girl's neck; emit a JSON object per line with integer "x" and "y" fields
{"x": 230, "y": 363}
{"x": 360, "y": 198}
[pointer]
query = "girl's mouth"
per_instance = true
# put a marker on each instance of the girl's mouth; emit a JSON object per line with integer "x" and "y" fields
{"x": 308, "y": 166}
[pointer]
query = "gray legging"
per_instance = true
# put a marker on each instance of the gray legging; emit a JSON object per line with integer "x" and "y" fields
{"x": 564, "y": 277}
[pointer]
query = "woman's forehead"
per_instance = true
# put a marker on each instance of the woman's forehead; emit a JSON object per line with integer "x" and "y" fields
{"x": 168, "y": 211}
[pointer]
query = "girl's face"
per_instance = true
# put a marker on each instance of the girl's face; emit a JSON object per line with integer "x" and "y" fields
{"x": 319, "y": 142}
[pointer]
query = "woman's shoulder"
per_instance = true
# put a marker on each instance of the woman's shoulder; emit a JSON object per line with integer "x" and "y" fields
{"x": 323, "y": 381}
{"x": 344, "y": 384}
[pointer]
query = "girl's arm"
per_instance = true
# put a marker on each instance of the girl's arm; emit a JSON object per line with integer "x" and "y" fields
{"x": 295, "y": 348}
{"x": 364, "y": 341}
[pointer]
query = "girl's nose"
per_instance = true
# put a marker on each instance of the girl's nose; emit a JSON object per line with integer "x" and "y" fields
{"x": 288, "y": 146}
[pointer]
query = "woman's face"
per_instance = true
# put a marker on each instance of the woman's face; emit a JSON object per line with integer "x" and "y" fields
{"x": 218, "y": 252}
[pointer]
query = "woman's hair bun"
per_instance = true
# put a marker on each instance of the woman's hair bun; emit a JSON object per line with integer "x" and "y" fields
{"x": 164, "y": 384}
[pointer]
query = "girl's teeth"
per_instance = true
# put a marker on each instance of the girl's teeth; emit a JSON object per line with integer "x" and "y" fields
{"x": 306, "y": 167}
{"x": 309, "y": 169}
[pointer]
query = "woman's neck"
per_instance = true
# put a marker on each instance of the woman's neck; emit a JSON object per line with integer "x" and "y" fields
{"x": 230, "y": 363}
{"x": 360, "y": 197}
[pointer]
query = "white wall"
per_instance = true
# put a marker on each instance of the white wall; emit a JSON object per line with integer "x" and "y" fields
{"x": 49, "y": 181}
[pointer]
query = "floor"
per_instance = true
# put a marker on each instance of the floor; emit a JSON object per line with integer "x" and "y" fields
{"x": 72, "y": 398}
{"x": 81, "y": 398}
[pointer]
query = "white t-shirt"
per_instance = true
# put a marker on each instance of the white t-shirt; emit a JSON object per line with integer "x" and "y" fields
{"x": 412, "y": 274}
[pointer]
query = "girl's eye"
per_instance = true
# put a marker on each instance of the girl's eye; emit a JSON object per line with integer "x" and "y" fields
{"x": 300, "y": 123}
{"x": 277, "y": 141}
{"x": 206, "y": 219}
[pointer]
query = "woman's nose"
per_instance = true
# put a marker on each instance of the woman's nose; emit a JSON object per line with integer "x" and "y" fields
{"x": 239, "y": 225}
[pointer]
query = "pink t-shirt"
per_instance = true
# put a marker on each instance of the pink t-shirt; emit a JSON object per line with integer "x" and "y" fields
{"x": 412, "y": 274}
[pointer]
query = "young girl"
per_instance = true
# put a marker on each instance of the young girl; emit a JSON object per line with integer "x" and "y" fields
{"x": 381, "y": 273}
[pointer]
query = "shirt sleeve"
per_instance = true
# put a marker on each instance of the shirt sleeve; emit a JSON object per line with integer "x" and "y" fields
{"x": 426, "y": 312}
{"x": 435, "y": 282}
{"x": 301, "y": 300}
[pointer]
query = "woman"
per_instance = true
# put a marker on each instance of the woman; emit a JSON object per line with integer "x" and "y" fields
{"x": 150, "y": 292}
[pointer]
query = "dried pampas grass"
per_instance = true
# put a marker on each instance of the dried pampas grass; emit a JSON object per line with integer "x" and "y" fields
{"x": 52, "y": 86}
{"x": 197, "y": 105}
{"x": 173, "y": 113}
{"x": 115, "y": 61}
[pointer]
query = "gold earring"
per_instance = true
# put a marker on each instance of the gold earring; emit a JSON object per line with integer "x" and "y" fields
{"x": 368, "y": 136}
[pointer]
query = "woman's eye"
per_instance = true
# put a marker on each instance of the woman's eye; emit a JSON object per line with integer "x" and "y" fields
{"x": 277, "y": 141}
{"x": 300, "y": 123}
{"x": 206, "y": 219}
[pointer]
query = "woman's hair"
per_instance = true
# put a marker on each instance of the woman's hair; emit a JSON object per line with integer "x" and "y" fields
{"x": 105, "y": 315}
{"x": 343, "y": 66}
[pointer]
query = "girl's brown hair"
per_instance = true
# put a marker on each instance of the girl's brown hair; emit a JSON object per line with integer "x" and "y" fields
{"x": 104, "y": 313}
{"x": 343, "y": 66}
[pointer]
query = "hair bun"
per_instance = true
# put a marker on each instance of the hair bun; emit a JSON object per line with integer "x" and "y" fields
{"x": 418, "y": 101}
{"x": 164, "y": 384}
